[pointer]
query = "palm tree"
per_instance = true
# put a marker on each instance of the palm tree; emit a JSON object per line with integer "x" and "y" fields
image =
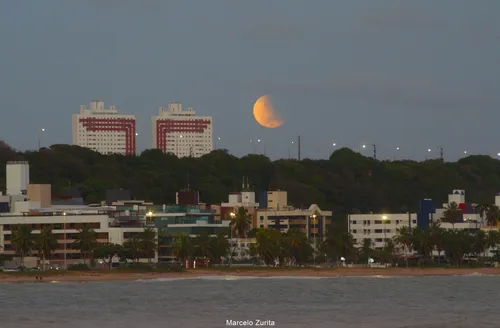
{"x": 492, "y": 215}
{"x": 493, "y": 239}
{"x": 339, "y": 244}
{"x": 366, "y": 249}
{"x": 45, "y": 244}
{"x": 220, "y": 247}
{"x": 22, "y": 240}
{"x": 240, "y": 223}
{"x": 183, "y": 248}
{"x": 266, "y": 247}
{"x": 452, "y": 214}
{"x": 133, "y": 247}
{"x": 436, "y": 238}
{"x": 149, "y": 243}
{"x": 203, "y": 247}
{"x": 482, "y": 209}
{"x": 86, "y": 241}
{"x": 422, "y": 242}
{"x": 404, "y": 237}
{"x": 388, "y": 251}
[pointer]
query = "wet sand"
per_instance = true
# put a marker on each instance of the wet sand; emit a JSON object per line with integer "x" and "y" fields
{"x": 248, "y": 272}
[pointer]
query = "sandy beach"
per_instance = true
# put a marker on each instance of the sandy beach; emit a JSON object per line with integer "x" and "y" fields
{"x": 193, "y": 273}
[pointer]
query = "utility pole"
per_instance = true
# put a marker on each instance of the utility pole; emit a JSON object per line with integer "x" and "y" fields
{"x": 298, "y": 145}
{"x": 374, "y": 151}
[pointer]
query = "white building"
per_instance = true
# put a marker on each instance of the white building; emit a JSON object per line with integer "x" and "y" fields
{"x": 379, "y": 227}
{"x": 65, "y": 225}
{"x": 181, "y": 132}
{"x": 104, "y": 130}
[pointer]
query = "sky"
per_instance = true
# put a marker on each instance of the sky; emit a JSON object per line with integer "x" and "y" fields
{"x": 417, "y": 75}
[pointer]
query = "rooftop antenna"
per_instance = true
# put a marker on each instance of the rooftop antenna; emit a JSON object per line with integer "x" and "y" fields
{"x": 243, "y": 183}
{"x": 248, "y": 184}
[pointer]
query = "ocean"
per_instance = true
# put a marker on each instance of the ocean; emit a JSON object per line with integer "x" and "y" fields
{"x": 431, "y": 301}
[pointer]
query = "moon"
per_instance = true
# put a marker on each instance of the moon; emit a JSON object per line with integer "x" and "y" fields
{"x": 265, "y": 114}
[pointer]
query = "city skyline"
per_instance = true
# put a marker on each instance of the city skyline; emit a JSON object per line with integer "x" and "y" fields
{"x": 413, "y": 75}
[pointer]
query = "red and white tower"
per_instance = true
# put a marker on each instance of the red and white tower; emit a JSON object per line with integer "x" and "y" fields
{"x": 104, "y": 129}
{"x": 179, "y": 131}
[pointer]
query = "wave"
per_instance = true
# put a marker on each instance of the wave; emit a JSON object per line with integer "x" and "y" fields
{"x": 231, "y": 278}
{"x": 474, "y": 274}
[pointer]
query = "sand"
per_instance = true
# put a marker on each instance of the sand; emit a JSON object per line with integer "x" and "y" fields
{"x": 248, "y": 272}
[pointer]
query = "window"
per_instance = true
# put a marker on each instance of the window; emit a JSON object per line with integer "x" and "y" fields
{"x": 354, "y": 222}
{"x": 414, "y": 221}
{"x": 354, "y": 231}
{"x": 378, "y": 231}
{"x": 262, "y": 217}
{"x": 378, "y": 221}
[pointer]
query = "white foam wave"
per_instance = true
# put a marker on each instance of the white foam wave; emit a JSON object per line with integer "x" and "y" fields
{"x": 229, "y": 278}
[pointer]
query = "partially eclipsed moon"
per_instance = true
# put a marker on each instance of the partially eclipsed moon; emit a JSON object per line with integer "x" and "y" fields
{"x": 265, "y": 114}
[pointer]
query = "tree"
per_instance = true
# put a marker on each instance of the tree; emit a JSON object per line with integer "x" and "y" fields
{"x": 452, "y": 214}
{"x": 86, "y": 241}
{"x": 436, "y": 234}
{"x": 492, "y": 215}
{"x": 366, "y": 250}
{"x": 183, "y": 248}
{"x": 133, "y": 248}
{"x": 107, "y": 252}
{"x": 240, "y": 223}
{"x": 219, "y": 246}
{"x": 203, "y": 247}
{"x": 149, "y": 243}
{"x": 404, "y": 237}
{"x": 45, "y": 243}
{"x": 23, "y": 241}
{"x": 339, "y": 244}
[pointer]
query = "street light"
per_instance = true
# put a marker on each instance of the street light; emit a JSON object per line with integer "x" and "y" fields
{"x": 216, "y": 142}
{"x": 314, "y": 240}
{"x": 384, "y": 219}
{"x": 40, "y": 138}
{"x": 289, "y": 157}
{"x": 64, "y": 223}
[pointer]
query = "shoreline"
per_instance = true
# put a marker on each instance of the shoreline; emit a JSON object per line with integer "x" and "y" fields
{"x": 101, "y": 276}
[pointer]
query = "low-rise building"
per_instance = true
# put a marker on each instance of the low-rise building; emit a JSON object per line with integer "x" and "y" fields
{"x": 65, "y": 225}
{"x": 382, "y": 226}
{"x": 278, "y": 215}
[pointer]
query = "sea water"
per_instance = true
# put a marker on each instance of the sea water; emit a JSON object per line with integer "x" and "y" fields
{"x": 431, "y": 301}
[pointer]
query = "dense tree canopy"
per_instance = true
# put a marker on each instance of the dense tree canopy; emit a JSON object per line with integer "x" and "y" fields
{"x": 347, "y": 182}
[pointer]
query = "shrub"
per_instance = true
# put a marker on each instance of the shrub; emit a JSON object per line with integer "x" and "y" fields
{"x": 78, "y": 267}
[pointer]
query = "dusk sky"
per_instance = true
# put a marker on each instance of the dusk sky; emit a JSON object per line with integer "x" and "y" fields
{"x": 410, "y": 74}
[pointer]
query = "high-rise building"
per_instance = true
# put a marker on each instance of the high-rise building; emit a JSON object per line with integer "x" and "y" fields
{"x": 104, "y": 130}
{"x": 181, "y": 132}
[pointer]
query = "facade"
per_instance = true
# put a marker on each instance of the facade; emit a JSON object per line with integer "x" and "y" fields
{"x": 245, "y": 199}
{"x": 104, "y": 130}
{"x": 180, "y": 132}
{"x": 18, "y": 178}
{"x": 382, "y": 226}
{"x": 278, "y": 215}
{"x": 41, "y": 193}
{"x": 65, "y": 225}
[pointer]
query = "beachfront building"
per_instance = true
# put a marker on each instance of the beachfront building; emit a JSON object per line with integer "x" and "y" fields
{"x": 382, "y": 226}
{"x": 66, "y": 225}
{"x": 179, "y": 131}
{"x": 104, "y": 130}
{"x": 244, "y": 198}
{"x": 274, "y": 212}
{"x": 171, "y": 221}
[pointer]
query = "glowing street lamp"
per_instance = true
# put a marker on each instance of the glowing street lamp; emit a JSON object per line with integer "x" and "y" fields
{"x": 384, "y": 219}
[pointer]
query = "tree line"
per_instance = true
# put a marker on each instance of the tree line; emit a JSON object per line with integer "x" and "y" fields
{"x": 347, "y": 182}
{"x": 44, "y": 244}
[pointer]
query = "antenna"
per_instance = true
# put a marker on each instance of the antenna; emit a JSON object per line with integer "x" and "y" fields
{"x": 298, "y": 145}
{"x": 248, "y": 184}
{"x": 243, "y": 183}
{"x": 441, "y": 154}
{"x": 374, "y": 151}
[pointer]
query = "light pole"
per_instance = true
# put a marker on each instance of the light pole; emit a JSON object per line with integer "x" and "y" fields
{"x": 289, "y": 157}
{"x": 216, "y": 142}
{"x": 384, "y": 219}
{"x": 40, "y": 137}
{"x": 314, "y": 241}
{"x": 258, "y": 142}
{"x": 64, "y": 223}
{"x": 233, "y": 215}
